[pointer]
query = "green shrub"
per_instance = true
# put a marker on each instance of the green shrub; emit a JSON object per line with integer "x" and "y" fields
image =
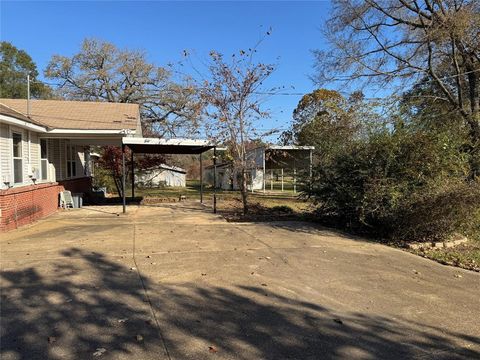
{"x": 282, "y": 209}
{"x": 404, "y": 184}
{"x": 438, "y": 211}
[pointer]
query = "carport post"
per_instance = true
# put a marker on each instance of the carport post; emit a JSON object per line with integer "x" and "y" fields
{"x": 294, "y": 180}
{"x": 282, "y": 179}
{"x": 124, "y": 199}
{"x": 201, "y": 180}
{"x": 271, "y": 180}
{"x": 264, "y": 172}
{"x": 214, "y": 179}
{"x": 133, "y": 178}
{"x": 311, "y": 171}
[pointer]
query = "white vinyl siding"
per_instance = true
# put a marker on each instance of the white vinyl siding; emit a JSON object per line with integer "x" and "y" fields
{"x": 54, "y": 167}
{"x": 35, "y": 153}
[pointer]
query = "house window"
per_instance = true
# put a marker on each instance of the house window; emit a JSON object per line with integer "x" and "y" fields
{"x": 17, "y": 158}
{"x": 71, "y": 161}
{"x": 44, "y": 158}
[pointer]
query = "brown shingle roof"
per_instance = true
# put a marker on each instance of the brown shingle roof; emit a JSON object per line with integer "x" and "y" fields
{"x": 5, "y": 110}
{"x": 83, "y": 115}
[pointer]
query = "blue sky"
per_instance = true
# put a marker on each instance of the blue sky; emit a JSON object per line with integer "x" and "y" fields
{"x": 165, "y": 29}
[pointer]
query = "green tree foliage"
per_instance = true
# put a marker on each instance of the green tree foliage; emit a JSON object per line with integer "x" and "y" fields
{"x": 15, "y": 64}
{"x": 397, "y": 42}
{"x": 329, "y": 122}
{"x": 100, "y": 71}
{"x": 401, "y": 182}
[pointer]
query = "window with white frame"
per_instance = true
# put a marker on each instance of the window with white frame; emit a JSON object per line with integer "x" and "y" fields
{"x": 44, "y": 159}
{"x": 71, "y": 161}
{"x": 17, "y": 158}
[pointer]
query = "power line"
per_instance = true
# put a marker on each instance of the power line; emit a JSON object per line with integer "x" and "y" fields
{"x": 270, "y": 93}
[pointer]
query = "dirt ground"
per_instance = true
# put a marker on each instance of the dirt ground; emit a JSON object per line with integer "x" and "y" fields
{"x": 178, "y": 282}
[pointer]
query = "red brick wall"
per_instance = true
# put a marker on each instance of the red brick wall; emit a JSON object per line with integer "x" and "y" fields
{"x": 23, "y": 205}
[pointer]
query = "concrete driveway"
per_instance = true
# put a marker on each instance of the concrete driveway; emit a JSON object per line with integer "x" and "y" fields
{"x": 177, "y": 282}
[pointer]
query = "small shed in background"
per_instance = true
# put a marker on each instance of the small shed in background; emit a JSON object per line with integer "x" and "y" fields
{"x": 163, "y": 175}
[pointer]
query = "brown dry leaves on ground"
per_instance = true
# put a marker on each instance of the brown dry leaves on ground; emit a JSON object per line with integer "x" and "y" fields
{"x": 466, "y": 256}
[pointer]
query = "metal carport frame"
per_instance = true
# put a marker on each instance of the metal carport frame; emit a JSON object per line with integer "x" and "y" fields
{"x": 167, "y": 146}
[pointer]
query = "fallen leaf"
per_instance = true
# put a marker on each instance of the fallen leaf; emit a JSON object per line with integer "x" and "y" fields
{"x": 99, "y": 352}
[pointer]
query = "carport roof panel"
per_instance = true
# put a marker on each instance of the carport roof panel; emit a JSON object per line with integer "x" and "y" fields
{"x": 289, "y": 147}
{"x": 167, "y": 146}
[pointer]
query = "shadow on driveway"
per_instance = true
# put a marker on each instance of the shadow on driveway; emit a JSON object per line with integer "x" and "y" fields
{"x": 93, "y": 303}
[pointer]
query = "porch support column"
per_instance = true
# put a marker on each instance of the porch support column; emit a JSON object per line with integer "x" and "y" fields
{"x": 214, "y": 179}
{"x": 201, "y": 179}
{"x": 133, "y": 177}
{"x": 124, "y": 199}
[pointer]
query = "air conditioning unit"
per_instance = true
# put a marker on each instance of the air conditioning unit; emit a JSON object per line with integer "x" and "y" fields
{"x": 35, "y": 174}
{"x": 30, "y": 169}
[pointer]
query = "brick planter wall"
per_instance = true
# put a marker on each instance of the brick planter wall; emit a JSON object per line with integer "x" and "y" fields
{"x": 23, "y": 205}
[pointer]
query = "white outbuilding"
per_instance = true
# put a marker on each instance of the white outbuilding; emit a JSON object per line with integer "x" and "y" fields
{"x": 162, "y": 175}
{"x": 270, "y": 167}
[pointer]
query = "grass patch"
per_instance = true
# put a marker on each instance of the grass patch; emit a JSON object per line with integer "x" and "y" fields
{"x": 262, "y": 207}
{"x": 466, "y": 256}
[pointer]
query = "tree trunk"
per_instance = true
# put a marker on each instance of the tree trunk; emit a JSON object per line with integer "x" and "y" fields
{"x": 118, "y": 184}
{"x": 244, "y": 191}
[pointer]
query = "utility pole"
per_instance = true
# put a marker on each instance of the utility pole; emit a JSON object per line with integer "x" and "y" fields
{"x": 214, "y": 179}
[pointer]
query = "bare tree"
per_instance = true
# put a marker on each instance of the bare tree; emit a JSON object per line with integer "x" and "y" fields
{"x": 102, "y": 72}
{"x": 234, "y": 99}
{"x": 390, "y": 42}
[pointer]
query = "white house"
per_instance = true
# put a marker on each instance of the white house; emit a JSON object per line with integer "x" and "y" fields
{"x": 44, "y": 148}
{"x": 162, "y": 175}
